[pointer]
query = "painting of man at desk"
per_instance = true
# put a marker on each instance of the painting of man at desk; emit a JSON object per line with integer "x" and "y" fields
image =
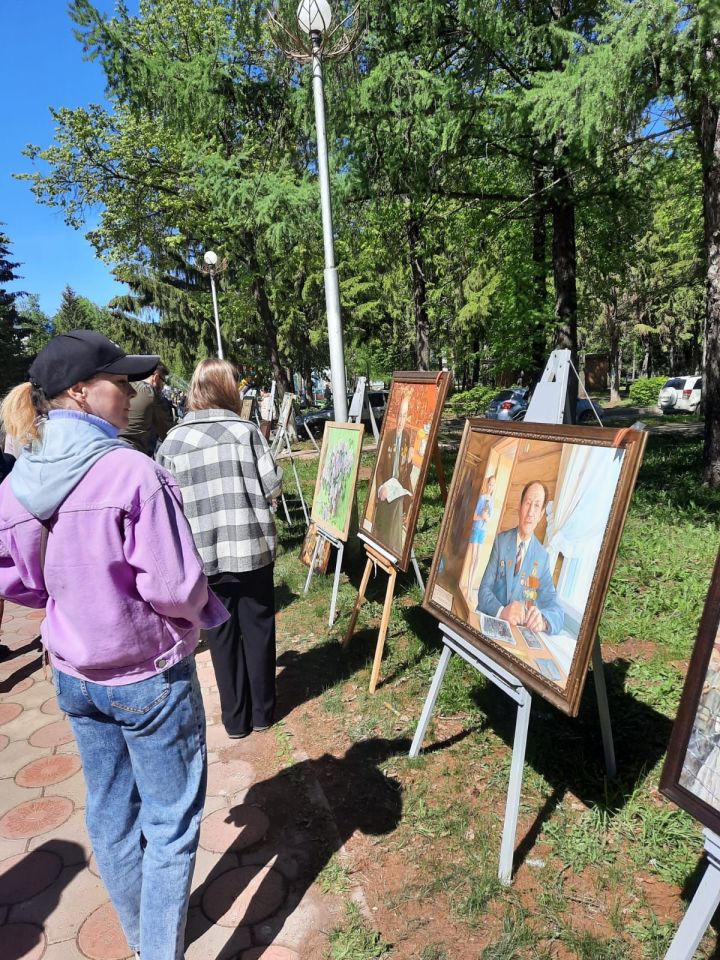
{"x": 526, "y": 546}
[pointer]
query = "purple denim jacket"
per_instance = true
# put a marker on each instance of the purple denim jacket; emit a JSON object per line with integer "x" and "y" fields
{"x": 124, "y": 588}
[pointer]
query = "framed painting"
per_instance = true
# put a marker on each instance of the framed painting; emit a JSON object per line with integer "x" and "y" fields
{"x": 527, "y": 546}
{"x": 308, "y": 549}
{"x": 405, "y": 448}
{"x": 336, "y": 477}
{"x": 691, "y": 775}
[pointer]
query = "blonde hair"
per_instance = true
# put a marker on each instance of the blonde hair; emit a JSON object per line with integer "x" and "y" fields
{"x": 21, "y": 409}
{"x": 214, "y": 385}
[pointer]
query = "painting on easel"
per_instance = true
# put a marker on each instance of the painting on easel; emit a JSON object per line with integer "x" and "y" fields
{"x": 308, "y": 549}
{"x": 691, "y": 776}
{"x": 407, "y": 444}
{"x": 336, "y": 477}
{"x": 527, "y": 545}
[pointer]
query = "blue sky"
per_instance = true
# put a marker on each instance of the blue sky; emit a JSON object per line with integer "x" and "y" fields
{"x": 41, "y": 65}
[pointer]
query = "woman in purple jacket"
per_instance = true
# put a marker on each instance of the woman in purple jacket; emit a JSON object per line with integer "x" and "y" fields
{"x": 94, "y": 532}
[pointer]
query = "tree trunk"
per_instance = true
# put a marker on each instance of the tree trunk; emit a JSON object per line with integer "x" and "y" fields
{"x": 710, "y": 148}
{"x": 268, "y": 324}
{"x": 565, "y": 276}
{"x": 422, "y": 323}
{"x": 613, "y": 331}
{"x": 539, "y": 242}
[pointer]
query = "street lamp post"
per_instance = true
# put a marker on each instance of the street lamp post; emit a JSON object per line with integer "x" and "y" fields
{"x": 314, "y": 18}
{"x": 211, "y": 267}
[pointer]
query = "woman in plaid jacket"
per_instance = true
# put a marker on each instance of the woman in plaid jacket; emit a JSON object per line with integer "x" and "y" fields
{"x": 229, "y": 481}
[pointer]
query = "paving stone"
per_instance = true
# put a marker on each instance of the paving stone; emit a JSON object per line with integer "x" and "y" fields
{"x": 23, "y": 941}
{"x": 27, "y": 724}
{"x": 8, "y": 712}
{"x": 53, "y": 734}
{"x": 27, "y": 874}
{"x": 227, "y": 779}
{"x": 9, "y": 848}
{"x": 101, "y": 936}
{"x": 212, "y": 941}
{"x": 62, "y": 908}
{"x": 10, "y": 666}
{"x": 274, "y": 952}
{"x": 35, "y": 817}
{"x": 20, "y": 686}
{"x": 51, "y": 708}
{"x": 48, "y": 770}
{"x": 34, "y": 698}
{"x": 242, "y": 896}
{"x": 11, "y": 795}
{"x": 295, "y": 923}
{"x": 237, "y": 828}
{"x": 217, "y": 738}
{"x": 72, "y": 834}
{"x": 17, "y": 754}
{"x": 65, "y": 950}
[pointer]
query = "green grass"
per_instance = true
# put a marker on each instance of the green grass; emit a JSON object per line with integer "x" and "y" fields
{"x": 354, "y": 940}
{"x": 609, "y": 834}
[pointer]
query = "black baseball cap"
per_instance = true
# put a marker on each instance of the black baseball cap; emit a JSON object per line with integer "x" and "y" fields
{"x": 79, "y": 355}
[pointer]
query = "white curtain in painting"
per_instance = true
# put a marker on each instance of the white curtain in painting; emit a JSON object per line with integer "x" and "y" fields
{"x": 581, "y": 509}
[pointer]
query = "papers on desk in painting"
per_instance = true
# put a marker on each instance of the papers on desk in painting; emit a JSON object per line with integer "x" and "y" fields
{"x": 496, "y": 629}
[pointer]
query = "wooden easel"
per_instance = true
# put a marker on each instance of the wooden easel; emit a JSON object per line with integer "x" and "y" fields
{"x": 377, "y": 557}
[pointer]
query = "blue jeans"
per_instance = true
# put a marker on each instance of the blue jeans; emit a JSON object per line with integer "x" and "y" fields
{"x": 144, "y": 759}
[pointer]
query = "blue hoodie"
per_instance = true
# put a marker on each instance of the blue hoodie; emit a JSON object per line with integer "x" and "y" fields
{"x": 70, "y": 443}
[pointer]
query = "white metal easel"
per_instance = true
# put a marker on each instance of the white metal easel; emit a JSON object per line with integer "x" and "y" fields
{"x": 282, "y": 440}
{"x": 360, "y": 402}
{"x": 547, "y": 406}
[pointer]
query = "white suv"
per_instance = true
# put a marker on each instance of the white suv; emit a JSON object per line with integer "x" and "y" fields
{"x": 681, "y": 395}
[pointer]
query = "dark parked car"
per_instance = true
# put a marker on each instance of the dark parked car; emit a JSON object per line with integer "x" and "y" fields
{"x": 513, "y": 404}
{"x": 315, "y": 420}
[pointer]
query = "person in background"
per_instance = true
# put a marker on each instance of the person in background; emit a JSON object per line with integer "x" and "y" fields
{"x": 149, "y": 419}
{"x": 229, "y": 481}
{"x": 95, "y": 533}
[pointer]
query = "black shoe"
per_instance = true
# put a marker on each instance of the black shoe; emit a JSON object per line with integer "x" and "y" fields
{"x": 238, "y": 736}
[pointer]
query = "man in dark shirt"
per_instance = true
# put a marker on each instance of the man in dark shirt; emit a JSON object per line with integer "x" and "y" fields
{"x": 150, "y": 418}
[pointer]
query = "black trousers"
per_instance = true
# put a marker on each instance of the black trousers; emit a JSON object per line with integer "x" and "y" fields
{"x": 243, "y": 649}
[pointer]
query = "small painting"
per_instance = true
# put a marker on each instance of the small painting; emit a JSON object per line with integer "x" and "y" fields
{"x": 336, "y": 477}
{"x": 527, "y": 545}
{"x": 405, "y": 448}
{"x": 308, "y": 548}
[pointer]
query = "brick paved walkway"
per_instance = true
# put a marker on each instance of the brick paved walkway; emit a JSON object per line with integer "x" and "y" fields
{"x": 250, "y": 900}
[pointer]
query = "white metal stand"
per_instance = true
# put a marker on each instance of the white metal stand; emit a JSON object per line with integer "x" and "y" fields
{"x": 340, "y": 546}
{"x": 312, "y": 438}
{"x": 361, "y": 401}
{"x": 510, "y": 685}
{"x": 282, "y": 439}
{"x": 702, "y": 906}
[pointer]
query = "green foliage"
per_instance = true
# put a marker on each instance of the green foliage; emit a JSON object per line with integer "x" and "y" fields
{"x": 644, "y": 392}
{"x": 471, "y": 403}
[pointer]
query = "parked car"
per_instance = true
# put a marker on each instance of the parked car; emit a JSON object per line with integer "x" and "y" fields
{"x": 512, "y": 405}
{"x": 315, "y": 420}
{"x": 681, "y": 395}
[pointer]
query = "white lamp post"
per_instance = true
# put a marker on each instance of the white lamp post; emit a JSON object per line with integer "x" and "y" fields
{"x": 211, "y": 262}
{"x": 314, "y": 17}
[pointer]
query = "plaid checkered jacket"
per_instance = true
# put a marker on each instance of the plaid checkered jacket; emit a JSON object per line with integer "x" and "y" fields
{"x": 228, "y": 477}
